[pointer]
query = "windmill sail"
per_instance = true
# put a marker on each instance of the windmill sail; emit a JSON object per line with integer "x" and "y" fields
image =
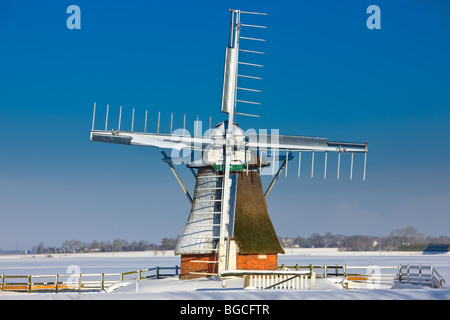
{"x": 232, "y": 74}
{"x": 301, "y": 143}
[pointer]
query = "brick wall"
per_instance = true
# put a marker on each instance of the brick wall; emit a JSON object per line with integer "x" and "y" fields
{"x": 188, "y": 265}
{"x": 243, "y": 262}
{"x": 257, "y": 261}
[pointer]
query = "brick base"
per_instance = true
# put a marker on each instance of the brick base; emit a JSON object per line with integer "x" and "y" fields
{"x": 189, "y": 267}
{"x": 257, "y": 261}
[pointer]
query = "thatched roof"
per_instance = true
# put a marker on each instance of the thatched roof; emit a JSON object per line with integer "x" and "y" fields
{"x": 253, "y": 229}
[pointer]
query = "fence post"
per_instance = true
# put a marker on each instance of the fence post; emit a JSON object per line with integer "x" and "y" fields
{"x": 246, "y": 281}
{"x": 176, "y": 270}
{"x": 420, "y": 274}
{"x": 29, "y": 284}
{"x": 157, "y": 272}
{"x": 103, "y": 282}
{"x": 313, "y": 280}
{"x": 79, "y": 284}
{"x": 407, "y": 272}
{"x": 56, "y": 283}
{"x": 431, "y": 271}
{"x": 3, "y": 282}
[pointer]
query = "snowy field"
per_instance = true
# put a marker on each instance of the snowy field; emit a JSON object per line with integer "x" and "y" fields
{"x": 175, "y": 289}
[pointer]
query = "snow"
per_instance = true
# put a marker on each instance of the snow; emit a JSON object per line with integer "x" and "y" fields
{"x": 207, "y": 289}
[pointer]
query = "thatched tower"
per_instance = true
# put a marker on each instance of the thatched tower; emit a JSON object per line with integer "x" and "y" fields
{"x": 253, "y": 243}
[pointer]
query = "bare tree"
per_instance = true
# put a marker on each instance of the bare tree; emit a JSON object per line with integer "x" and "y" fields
{"x": 40, "y": 248}
{"x": 408, "y": 235}
{"x": 72, "y": 245}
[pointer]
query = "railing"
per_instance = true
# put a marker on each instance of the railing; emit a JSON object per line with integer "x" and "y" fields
{"x": 370, "y": 277}
{"x": 78, "y": 282}
{"x": 281, "y": 279}
{"x": 59, "y": 282}
{"x": 377, "y": 276}
{"x": 279, "y": 282}
{"x": 157, "y": 275}
{"x": 302, "y": 277}
{"x": 420, "y": 275}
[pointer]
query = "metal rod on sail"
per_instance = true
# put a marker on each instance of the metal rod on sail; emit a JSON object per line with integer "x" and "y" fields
{"x": 159, "y": 117}
{"x": 253, "y": 26}
{"x": 351, "y": 168}
{"x": 258, "y": 13}
{"x": 196, "y": 128}
{"x": 132, "y": 121}
{"x": 260, "y": 159}
{"x": 325, "y": 167}
{"x": 106, "y": 121}
{"x": 247, "y": 114}
{"x": 287, "y": 162}
{"x": 251, "y": 51}
{"x": 365, "y": 162}
{"x": 93, "y": 116}
{"x": 339, "y": 164}
{"x": 273, "y": 162}
{"x": 299, "y": 163}
{"x": 145, "y": 123}
{"x": 247, "y": 89}
{"x": 120, "y": 118}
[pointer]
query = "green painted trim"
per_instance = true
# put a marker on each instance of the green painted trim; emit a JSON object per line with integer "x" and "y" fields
{"x": 233, "y": 167}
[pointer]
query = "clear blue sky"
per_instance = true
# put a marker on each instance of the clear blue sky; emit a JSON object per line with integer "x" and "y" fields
{"x": 326, "y": 74}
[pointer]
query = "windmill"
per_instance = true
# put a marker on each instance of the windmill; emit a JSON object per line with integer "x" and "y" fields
{"x": 228, "y": 226}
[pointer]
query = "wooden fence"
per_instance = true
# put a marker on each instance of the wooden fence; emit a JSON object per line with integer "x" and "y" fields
{"x": 420, "y": 275}
{"x": 287, "y": 277}
{"x": 377, "y": 276}
{"x": 280, "y": 279}
{"x": 282, "y": 282}
{"x": 79, "y": 282}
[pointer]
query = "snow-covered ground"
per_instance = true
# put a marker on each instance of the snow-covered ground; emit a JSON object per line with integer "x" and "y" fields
{"x": 202, "y": 289}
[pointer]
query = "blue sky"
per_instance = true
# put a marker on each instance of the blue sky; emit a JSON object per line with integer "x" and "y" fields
{"x": 326, "y": 74}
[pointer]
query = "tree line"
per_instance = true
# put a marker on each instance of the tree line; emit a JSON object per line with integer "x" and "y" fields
{"x": 117, "y": 245}
{"x": 407, "y": 238}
